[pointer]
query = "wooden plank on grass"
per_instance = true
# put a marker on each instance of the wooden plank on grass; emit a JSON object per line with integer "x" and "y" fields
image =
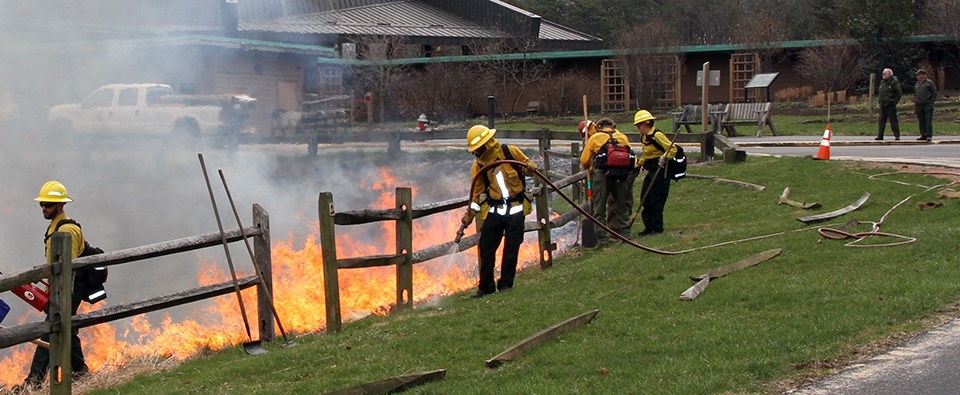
{"x": 694, "y": 291}
{"x": 835, "y": 213}
{"x": 740, "y": 184}
{"x": 785, "y": 199}
{"x": 540, "y": 337}
{"x": 727, "y": 269}
{"x": 392, "y": 384}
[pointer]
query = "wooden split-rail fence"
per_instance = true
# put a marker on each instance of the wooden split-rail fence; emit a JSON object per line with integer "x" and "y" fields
{"x": 60, "y": 276}
{"x": 709, "y": 141}
{"x": 404, "y": 212}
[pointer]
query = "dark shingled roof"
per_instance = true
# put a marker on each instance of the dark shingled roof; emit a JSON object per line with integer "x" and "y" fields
{"x": 406, "y": 18}
{"x": 410, "y": 18}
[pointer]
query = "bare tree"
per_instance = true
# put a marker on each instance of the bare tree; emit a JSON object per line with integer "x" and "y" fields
{"x": 510, "y": 77}
{"x": 381, "y": 75}
{"x": 563, "y": 92}
{"x": 762, "y": 30}
{"x": 648, "y": 56}
{"x": 833, "y": 66}
{"x": 438, "y": 91}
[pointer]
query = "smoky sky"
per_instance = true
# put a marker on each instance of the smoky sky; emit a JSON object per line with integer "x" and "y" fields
{"x": 130, "y": 191}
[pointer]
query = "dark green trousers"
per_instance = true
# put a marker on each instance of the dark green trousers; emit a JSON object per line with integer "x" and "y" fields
{"x": 41, "y": 357}
{"x": 652, "y": 214}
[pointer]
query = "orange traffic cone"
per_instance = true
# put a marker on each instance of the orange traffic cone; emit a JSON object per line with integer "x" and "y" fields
{"x": 824, "y": 153}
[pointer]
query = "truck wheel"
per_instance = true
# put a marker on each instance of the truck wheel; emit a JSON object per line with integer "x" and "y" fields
{"x": 186, "y": 127}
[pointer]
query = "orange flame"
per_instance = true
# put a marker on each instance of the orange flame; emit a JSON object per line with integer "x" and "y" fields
{"x": 298, "y": 294}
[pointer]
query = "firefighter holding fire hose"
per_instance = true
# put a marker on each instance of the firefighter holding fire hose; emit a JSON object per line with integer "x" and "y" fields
{"x": 499, "y": 199}
{"x": 53, "y": 196}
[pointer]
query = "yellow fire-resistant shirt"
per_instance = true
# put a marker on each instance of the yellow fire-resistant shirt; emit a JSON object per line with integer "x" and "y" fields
{"x": 76, "y": 236}
{"x": 595, "y": 142}
{"x": 650, "y": 151}
{"x": 500, "y": 182}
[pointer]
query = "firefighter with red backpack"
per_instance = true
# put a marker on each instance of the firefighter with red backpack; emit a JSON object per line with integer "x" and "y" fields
{"x": 609, "y": 159}
{"x": 53, "y": 196}
{"x": 653, "y": 159}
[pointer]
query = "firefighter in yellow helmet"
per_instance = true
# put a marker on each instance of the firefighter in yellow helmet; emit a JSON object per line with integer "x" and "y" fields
{"x": 52, "y": 198}
{"x": 608, "y": 178}
{"x": 500, "y": 200}
{"x": 657, "y": 149}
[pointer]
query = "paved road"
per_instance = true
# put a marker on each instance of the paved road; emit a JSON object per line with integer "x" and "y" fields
{"x": 927, "y": 364}
{"x": 944, "y": 151}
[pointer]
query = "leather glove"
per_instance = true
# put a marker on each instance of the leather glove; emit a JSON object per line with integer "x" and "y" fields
{"x": 464, "y": 222}
{"x": 663, "y": 161}
{"x": 463, "y": 227}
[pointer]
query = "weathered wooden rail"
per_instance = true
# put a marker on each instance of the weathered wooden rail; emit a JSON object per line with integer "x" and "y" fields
{"x": 60, "y": 276}
{"x": 708, "y": 141}
{"x": 403, "y": 214}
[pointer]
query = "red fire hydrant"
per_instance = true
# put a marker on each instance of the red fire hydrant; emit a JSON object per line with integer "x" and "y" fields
{"x": 422, "y": 122}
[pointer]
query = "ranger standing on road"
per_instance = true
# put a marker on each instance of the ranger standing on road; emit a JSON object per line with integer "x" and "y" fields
{"x": 889, "y": 94}
{"x": 924, "y": 94}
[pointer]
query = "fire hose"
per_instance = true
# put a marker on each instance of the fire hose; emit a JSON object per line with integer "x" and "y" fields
{"x": 553, "y": 186}
{"x": 662, "y": 252}
{"x": 838, "y": 234}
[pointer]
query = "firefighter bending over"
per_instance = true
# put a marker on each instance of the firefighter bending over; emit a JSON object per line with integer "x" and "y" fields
{"x": 500, "y": 201}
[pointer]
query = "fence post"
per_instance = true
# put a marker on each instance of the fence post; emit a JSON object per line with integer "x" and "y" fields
{"x": 575, "y": 168}
{"x": 543, "y": 213}
{"x": 544, "y": 146}
{"x": 405, "y": 247}
{"x": 312, "y": 143}
{"x": 60, "y": 313}
{"x": 707, "y": 146}
{"x": 328, "y": 246}
{"x": 261, "y": 254}
{"x": 393, "y": 147}
{"x": 490, "y": 112}
{"x": 543, "y": 231}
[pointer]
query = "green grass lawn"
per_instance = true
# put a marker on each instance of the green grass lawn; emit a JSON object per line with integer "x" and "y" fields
{"x": 750, "y": 331}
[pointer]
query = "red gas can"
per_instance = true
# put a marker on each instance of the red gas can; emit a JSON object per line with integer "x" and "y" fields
{"x": 33, "y": 295}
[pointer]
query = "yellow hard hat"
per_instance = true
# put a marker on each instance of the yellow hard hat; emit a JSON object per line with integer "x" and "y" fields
{"x": 478, "y": 135}
{"x": 53, "y": 191}
{"x": 642, "y": 116}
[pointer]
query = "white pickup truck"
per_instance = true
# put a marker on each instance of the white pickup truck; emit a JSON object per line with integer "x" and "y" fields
{"x": 151, "y": 109}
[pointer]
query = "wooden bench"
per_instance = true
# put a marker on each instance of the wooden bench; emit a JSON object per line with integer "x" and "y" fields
{"x": 533, "y": 108}
{"x": 747, "y": 114}
{"x": 690, "y": 114}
